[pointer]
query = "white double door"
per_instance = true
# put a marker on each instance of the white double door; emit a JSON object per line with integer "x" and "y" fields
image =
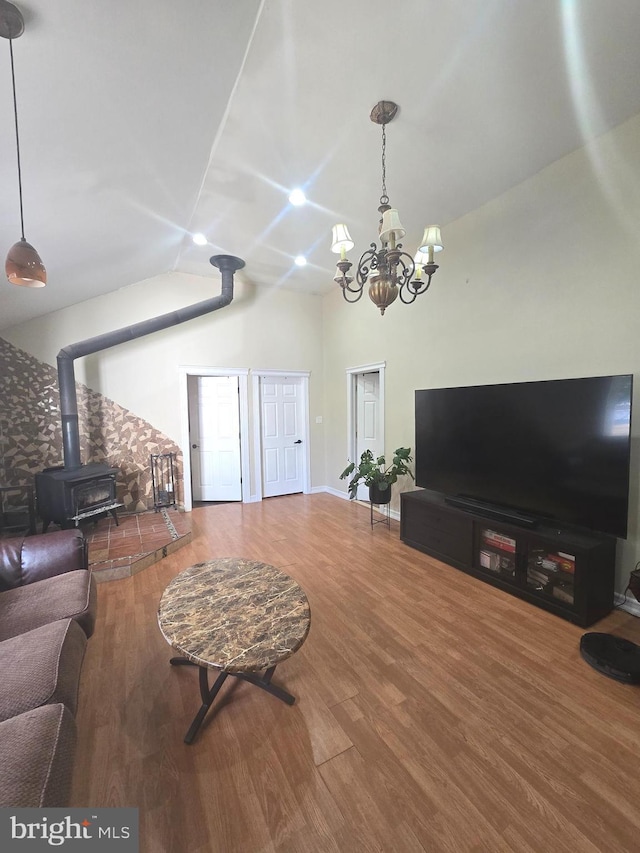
{"x": 214, "y": 429}
{"x": 282, "y": 435}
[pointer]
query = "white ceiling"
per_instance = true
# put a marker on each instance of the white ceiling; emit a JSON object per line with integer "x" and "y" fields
{"x": 143, "y": 122}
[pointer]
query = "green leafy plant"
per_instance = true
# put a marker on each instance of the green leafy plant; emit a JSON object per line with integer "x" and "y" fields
{"x": 371, "y": 471}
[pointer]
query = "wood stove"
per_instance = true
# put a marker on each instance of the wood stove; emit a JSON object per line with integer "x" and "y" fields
{"x": 66, "y": 496}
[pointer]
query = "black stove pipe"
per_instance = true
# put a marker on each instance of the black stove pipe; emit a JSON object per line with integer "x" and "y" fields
{"x": 227, "y": 264}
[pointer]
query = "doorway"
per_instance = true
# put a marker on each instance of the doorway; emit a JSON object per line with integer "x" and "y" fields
{"x": 214, "y": 435}
{"x": 215, "y": 438}
{"x": 365, "y": 415}
{"x": 281, "y": 434}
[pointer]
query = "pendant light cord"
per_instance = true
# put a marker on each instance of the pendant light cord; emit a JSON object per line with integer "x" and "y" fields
{"x": 15, "y": 113}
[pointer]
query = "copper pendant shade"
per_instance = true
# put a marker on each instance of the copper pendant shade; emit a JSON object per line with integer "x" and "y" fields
{"x": 23, "y": 265}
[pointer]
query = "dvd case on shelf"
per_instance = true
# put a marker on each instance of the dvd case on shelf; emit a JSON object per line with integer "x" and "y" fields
{"x": 498, "y": 540}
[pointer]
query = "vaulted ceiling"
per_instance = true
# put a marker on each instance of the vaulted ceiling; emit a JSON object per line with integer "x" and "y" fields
{"x": 144, "y": 122}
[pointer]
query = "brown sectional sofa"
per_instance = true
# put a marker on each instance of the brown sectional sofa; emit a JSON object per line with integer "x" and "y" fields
{"x": 47, "y": 612}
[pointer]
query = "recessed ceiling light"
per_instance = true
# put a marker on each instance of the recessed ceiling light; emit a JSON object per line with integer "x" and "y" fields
{"x": 199, "y": 239}
{"x": 300, "y": 261}
{"x": 297, "y": 197}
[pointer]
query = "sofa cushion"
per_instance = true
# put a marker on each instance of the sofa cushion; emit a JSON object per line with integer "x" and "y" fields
{"x": 41, "y": 667}
{"x": 26, "y": 559}
{"x": 68, "y": 596}
{"x": 36, "y": 757}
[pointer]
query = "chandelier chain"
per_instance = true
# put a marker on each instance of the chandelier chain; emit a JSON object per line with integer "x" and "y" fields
{"x": 384, "y": 198}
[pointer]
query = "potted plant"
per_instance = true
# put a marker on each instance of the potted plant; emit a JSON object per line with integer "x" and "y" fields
{"x": 375, "y": 474}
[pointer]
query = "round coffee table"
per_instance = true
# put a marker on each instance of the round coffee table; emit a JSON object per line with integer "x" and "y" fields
{"x": 240, "y": 617}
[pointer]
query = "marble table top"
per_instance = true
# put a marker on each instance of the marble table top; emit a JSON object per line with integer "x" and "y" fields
{"x": 235, "y": 615}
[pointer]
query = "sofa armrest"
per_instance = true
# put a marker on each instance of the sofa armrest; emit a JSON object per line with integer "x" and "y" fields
{"x": 37, "y": 750}
{"x": 26, "y": 559}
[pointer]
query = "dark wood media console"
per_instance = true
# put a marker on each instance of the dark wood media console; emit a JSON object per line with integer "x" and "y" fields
{"x": 569, "y": 573}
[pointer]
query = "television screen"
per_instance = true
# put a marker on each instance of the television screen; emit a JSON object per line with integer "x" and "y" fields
{"x": 555, "y": 449}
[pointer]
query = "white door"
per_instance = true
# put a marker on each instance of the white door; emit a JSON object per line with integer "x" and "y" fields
{"x": 214, "y": 428}
{"x": 282, "y": 416}
{"x": 368, "y": 420}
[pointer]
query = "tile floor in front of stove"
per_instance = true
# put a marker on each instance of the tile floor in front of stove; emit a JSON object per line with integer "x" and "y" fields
{"x": 135, "y": 542}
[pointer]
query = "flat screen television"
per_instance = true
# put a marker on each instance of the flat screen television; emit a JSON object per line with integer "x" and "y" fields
{"x": 555, "y": 450}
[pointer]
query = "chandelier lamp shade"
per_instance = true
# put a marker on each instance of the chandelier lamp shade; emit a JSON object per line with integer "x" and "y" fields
{"x": 23, "y": 265}
{"x": 387, "y": 269}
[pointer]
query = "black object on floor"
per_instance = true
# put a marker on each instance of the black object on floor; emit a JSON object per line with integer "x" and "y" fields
{"x": 613, "y": 656}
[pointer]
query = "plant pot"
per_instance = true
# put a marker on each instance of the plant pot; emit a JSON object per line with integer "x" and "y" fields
{"x": 380, "y": 494}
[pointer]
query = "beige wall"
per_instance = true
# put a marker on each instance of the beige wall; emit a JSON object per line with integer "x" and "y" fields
{"x": 541, "y": 283}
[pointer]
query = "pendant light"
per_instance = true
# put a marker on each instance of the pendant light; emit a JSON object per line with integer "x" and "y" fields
{"x": 23, "y": 265}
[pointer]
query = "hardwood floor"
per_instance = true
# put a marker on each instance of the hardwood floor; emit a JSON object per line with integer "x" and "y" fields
{"x": 434, "y": 713}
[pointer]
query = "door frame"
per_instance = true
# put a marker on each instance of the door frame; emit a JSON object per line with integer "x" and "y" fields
{"x": 256, "y": 376}
{"x": 352, "y": 373}
{"x": 243, "y": 400}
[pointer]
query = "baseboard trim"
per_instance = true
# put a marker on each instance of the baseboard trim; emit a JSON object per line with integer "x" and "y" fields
{"x": 629, "y": 606}
{"x": 331, "y": 491}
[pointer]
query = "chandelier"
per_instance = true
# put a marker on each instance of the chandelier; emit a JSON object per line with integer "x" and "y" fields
{"x": 389, "y": 271}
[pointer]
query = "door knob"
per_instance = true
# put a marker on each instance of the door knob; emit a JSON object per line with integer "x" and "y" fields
{"x": 194, "y": 446}
{"x": 299, "y": 441}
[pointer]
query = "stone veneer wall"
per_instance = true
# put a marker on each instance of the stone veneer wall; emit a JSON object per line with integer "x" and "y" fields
{"x": 31, "y": 431}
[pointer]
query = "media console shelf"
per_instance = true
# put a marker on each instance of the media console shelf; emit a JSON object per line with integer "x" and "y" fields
{"x": 569, "y": 573}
